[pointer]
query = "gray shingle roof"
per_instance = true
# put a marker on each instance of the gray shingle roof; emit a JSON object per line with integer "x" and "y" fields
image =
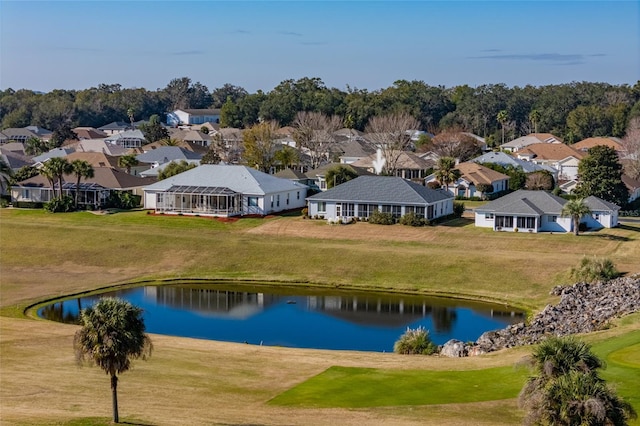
{"x": 526, "y": 203}
{"x": 598, "y": 204}
{"x": 164, "y": 154}
{"x": 383, "y": 189}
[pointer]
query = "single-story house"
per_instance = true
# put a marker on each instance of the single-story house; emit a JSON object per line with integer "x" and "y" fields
{"x": 472, "y": 177}
{"x": 127, "y": 139}
{"x": 505, "y": 159}
{"x": 115, "y": 127}
{"x": 530, "y": 139}
{"x": 359, "y": 197}
{"x": 93, "y": 191}
{"x": 224, "y": 190}
{"x": 166, "y": 154}
{"x": 317, "y": 180}
{"x": 586, "y": 144}
{"x": 193, "y": 116}
{"x": 408, "y": 164}
{"x": 540, "y": 211}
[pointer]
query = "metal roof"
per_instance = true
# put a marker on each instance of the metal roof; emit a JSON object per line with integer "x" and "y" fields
{"x": 210, "y": 190}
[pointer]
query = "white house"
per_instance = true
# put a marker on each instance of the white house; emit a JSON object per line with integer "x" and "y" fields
{"x": 193, "y": 116}
{"x": 541, "y": 211}
{"x": 224, "y": 190}
{"x": 359, "y": 197}
{"x": 127, "y": 139}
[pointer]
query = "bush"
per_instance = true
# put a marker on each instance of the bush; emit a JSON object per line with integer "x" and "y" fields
{"x": 123, "y": 200}
{"x": 592, "y": 269}
{"x": 458, "y": 209}
{"x": 28, "y": 205}
{"x": 415, "y": 342}
{"x": 379, "y": 218}
{"x": 62, "y": 204}
{"x": 305, "y": 212}
{"x": 410, "y": 219}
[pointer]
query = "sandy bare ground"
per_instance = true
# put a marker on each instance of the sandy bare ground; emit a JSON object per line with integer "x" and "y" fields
{"x": 196, "y": 382}
{"x": 357, "y": 231}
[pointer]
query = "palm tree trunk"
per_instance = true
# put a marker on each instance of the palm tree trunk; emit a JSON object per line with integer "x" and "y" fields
{"x": 114, "y": 395}
{"x": 576, "y": 225}
{"x": 77, "y": 190}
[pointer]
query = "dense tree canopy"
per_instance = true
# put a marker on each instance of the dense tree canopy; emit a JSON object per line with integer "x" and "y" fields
{"x": 601, "y": 175}
{"x": 571, "y": 111}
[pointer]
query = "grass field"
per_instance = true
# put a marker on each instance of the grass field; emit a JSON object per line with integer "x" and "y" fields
{"x": 201, "y": 382}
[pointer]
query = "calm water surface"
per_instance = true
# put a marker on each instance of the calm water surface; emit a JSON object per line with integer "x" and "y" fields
{"x": 298, "y": 318}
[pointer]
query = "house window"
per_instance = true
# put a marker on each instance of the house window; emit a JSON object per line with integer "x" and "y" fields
{"x": 419, "y": 211}
{"x": 287, "y": 198}
{"x": 278, "y": 200}
{"x": 253, "y": 201}
{"x": 553, "y": 218}
{"x": 488, "y": 216}
{"x": 396, "y": 211}
{"x": 323, "y": 184}
{"x": 322, "y": 207}
{"x": 596, "y": 216}
{"x": 526, "y": 222}
{"x": 272, "y": 201}
{"x": 504, "y": 221}
{"x": 298, "y": 195}
{"x": 348, "y": 209}
{"x": 25, "y": 193}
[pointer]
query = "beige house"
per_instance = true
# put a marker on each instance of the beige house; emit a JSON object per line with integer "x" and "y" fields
{"x": 561, "y": 157}
{"x": 473, "y": 179}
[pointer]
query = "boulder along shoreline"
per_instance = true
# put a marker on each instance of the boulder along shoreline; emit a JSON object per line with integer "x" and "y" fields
{"x": 583, "y": 308}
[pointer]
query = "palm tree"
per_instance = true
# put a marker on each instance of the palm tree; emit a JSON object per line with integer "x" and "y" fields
{"x": 535, "y": 116}
{"x": 130, "y": 113}
{"x": 60, "y": 166}
{"x": 566, "y": 389}
{"x": 585, "y": 399}
{"x": 339, "y": 174}
{"x": 575, "y": 209}
{"x": 54, "y": 170}
{"x": 446, "y": 171}
{"x": 48, "y": 174}
{"x": 127, "y": 162}
{"x": 112, "y": 335}
{"x": 82, "y": 169}
{"x": 287, "y": 156}
{"x": 6, "y": 172}
{"x": 503, "y": 117}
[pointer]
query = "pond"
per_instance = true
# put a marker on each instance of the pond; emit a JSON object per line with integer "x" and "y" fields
{"x": 296, "y": 317}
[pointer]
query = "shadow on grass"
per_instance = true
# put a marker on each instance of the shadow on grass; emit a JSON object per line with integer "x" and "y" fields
{"x": 100, "y": 421}
{"x": 635, "y": 228}
{"x": 457, "y": 223}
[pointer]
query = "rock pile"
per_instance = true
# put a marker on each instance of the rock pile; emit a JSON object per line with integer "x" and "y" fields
{"x": 583, "y": 308}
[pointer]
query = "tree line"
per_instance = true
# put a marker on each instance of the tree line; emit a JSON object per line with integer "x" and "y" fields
{"x": 572, "y": 111}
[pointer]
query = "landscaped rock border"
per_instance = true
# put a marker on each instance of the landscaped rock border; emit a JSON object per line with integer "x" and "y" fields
{"x": 583, "y": 308}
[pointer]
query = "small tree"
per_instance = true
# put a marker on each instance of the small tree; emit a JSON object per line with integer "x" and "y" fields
{"x": 591, "y": 269}
{"x": 339, "y": 174}
{"x": 112, "y": 335}
{"x": 127, "y": 162}
{"x": 566, "y": 389}
{"x": 446, "y": 171}
{"x": 575, "y": 209}
{"x": 175, "y": 168}
{"x": 81, "y": 169}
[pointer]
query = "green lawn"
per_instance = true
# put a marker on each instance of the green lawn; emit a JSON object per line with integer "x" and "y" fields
{"x": 345, "y": 387}
{"x": 367, "y": 387}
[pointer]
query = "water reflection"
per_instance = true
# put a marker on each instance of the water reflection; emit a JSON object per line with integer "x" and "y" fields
{"x": 271, "y": 316}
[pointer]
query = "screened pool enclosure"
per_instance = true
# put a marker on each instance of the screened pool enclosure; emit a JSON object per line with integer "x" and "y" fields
{"x": 219, "y": 201}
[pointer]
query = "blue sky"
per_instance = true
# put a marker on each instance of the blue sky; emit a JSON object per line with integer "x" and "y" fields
{"x": 363, "y": 44}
